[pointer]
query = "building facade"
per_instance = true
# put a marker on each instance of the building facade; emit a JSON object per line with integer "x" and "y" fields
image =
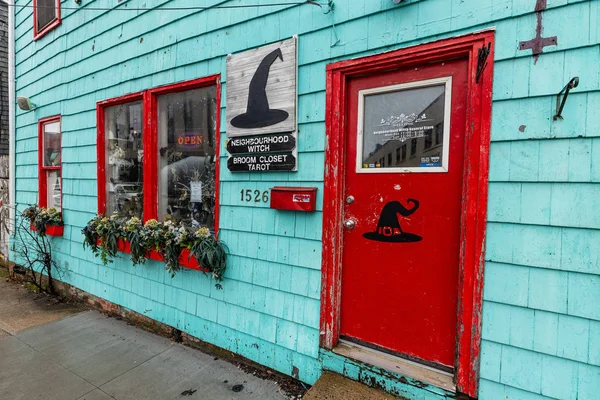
{"x": 453, "y": 243}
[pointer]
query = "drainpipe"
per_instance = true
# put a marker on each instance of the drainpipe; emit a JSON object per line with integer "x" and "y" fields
{"x": 11, "y": 113}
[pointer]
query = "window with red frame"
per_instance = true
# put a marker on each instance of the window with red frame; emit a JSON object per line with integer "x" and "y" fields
{"x": 123, "y": 158}
{"x": 50, "y": 163}
{"x": 158, "y": 154}
{"x": 46, "y": 16}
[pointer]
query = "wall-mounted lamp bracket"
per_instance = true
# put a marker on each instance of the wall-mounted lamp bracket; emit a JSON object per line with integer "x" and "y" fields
{"x": 561, "y": 100}
{"x": 326, "y": 8}
{"x": 482, "y": 56}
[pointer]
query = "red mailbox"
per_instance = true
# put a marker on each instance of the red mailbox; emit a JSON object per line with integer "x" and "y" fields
{"x": 294, "y": 198}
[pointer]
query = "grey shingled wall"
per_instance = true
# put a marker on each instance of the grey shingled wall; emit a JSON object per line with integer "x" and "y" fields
{"x": 3, "y": 78}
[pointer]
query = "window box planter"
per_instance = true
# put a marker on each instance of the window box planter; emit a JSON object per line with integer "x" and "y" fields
{"x": 184, "y": 259}
{"x": 51, "y": 230}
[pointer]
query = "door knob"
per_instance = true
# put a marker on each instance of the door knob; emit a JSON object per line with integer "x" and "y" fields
{"x": 349, "y": 223}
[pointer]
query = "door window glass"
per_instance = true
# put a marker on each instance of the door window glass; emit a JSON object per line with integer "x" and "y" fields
{"x": 390, "y": 118}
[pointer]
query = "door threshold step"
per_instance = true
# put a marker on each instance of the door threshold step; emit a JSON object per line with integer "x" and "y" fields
{"x": 423, "y": 373}
{"x": 332, "y": 386}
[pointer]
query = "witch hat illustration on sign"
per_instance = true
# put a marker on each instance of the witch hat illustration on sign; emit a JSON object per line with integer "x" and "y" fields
{"x": 258, "y": 114}
{"x": 388, "y": 227}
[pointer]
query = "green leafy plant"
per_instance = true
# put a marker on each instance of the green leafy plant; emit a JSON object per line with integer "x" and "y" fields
{"x": 133, "y": 232}
{"x": 168, "y": 238}
{"x": 102, "y": 236}
{"x": 211, "y": 253}
{"x": 41, "y": 218}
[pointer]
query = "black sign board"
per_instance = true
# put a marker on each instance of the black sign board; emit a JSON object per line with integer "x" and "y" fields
{"x": 262, "y": 162}
{"x": 261, "y": 144}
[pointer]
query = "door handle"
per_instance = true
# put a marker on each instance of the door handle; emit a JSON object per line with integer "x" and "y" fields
{"x": 350, "y": 223}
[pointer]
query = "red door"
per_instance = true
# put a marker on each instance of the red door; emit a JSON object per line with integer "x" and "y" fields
{"x": 404, "y": 161}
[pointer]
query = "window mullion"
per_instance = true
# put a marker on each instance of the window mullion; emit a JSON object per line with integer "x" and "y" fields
{"x": 150, "y": 144}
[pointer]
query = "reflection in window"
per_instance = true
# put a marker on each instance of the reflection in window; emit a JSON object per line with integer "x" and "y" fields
{"x": 46, "y": 12}
{"x": 428, "y": 138}
{"x": 402, "y": 120}
{"x": 124, "y": 159}
{"x": 53, "y": 189}
{"x": 439, "y": 133}
{"x": 186, "y": 143}
{"x": 52, "y": 144}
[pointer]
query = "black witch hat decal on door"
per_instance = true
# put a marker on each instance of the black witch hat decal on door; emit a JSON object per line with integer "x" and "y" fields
{"x": 388, "y": 227}
{"x": 258, "y": 114}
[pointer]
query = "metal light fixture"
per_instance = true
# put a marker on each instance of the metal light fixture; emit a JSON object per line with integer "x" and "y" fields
{"x": 24, "y": 103}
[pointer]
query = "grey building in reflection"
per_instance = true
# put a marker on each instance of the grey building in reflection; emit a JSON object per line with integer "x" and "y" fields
{"x": 410, "y": 152}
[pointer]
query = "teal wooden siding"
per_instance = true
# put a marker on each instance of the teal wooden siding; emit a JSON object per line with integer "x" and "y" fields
{"x": 541, "y": 319}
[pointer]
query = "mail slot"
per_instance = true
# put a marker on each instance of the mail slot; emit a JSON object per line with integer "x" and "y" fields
{"x": 294, "y": 198}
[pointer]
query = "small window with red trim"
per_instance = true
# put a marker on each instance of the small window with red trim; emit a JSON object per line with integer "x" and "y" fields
{"x": 50, "y": 163}
{"x": 46, "y": 16}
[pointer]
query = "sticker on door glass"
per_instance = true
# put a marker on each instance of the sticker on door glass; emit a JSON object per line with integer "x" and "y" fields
{"x": 404, "y": 128}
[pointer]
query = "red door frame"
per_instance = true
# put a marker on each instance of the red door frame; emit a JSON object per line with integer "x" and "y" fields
{"x": 475, "y": 187}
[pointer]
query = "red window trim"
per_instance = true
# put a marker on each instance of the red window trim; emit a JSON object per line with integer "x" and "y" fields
{"x": 53, "y": 24}
{"x": 101, "y": 145}
{"x": 475, "y": 187}
{"x": 150, "y": 144}
{"x": 42, "y": 180}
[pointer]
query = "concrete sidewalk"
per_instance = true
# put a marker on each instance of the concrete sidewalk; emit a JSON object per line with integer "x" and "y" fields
{"x": 90, "y": 356}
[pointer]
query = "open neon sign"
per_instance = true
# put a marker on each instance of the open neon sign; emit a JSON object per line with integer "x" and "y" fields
{"x": 189, "y": 140}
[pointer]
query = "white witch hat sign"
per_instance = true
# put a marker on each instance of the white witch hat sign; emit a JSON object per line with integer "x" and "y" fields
{"x": 261, "y": 90}
{"x": 258, "y": 114}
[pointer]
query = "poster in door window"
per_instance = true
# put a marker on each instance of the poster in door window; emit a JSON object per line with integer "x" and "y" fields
{"x": 404, "y": 129}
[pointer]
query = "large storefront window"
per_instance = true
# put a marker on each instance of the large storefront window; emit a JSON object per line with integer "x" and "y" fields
{"x": 50, "y": 162}
{"x": 186, "y": 154}
{"x": 124, "y": 159}
{"x": 159, "y": 153}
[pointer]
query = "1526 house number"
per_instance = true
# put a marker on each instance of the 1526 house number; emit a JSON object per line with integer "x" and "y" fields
{"x": 256, "y": 196}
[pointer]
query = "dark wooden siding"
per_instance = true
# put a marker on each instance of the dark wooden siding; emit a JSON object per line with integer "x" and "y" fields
{"x": 3, "y": 79}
